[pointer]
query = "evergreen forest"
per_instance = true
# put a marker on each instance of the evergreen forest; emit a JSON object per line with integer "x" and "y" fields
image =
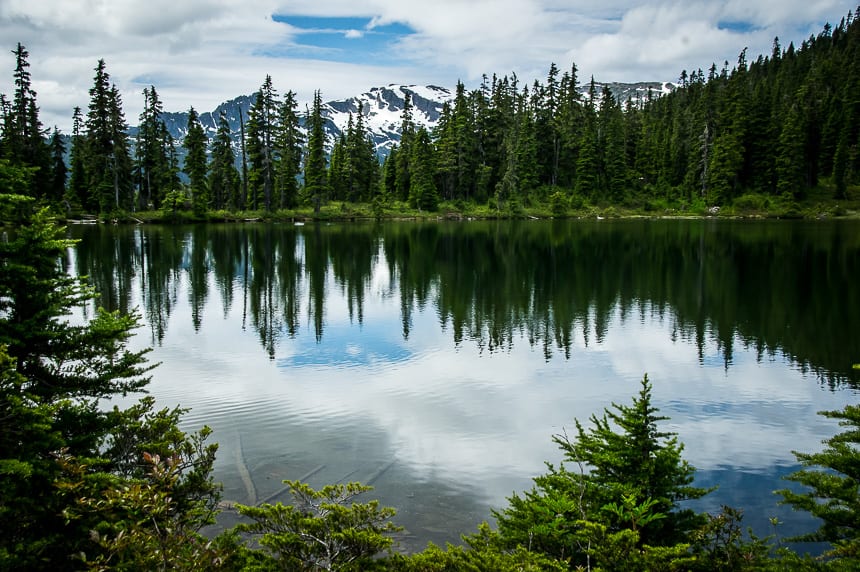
{"x": 775, "y": 135}
{"x": 83, "y": 487}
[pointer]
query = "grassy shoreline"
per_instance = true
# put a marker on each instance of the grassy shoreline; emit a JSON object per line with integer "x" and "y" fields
{"x": 818, "y": 204}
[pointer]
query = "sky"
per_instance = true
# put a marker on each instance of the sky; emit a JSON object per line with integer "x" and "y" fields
{"x": 203, "y": 52}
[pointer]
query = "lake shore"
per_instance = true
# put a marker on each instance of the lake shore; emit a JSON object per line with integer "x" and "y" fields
{"x": 816, "y": 206}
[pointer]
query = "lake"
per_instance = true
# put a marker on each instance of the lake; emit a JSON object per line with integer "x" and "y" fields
{"x": 436, "y": 360}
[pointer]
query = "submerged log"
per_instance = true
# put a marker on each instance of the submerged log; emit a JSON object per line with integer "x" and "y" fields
{"x": 379, "y": 473}
{"x": 244, "y": 473}
{"x": 284, "y": 489}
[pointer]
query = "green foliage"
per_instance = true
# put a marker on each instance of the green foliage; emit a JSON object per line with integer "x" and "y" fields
{"x": 288, "y": 153}
{"x": 626, "y": 490}
{"x": 323, "y": 530}
{"x": 141, "y": 431}
{"x": 223, "y": 175}
{"x": 155, "y": 170}
{"x": 174, "y": 203}
{"x": 559, "y": 203}
{"x": 721, "y": 544}
{"x": 316, "y": 180}
{"x": 58, "y": 448}
{"x": 141, "y": 524}
{"x": 195, "y": 162}
{"x": 483, "y": 552}
{"x": 57, "y": 358}
{"x": 422, "y": 191}
{"x": 15, "y": 179}
{"x": 106, "y": 160}
{"x": 26, "y": 432}
{"x": 831, "y": 479}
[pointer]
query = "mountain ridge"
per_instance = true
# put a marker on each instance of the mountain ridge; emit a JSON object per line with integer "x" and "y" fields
{"x": 381, "y": 108}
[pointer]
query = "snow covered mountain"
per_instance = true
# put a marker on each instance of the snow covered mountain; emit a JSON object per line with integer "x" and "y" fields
{"x": 382, "y": 109}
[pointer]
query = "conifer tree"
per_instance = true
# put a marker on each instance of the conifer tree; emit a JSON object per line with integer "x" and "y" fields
{"x": 790, "y": 157}
{"x": 587, "y": 162}
{"x": 123, "y": 185}
{"x": 322, "y": 530}
{"x": 77, "y": 195}
{"x": 261, "y": 146}
{"x": 155, "y": 156}
{"x": 611, "y": 141}
{"x": 59, "y": 172}
{"x": 831, "y": 493}
{"x": 465, "y": 144}
{"x": 388, "y": 184}
{"x": 546, "y": 109}
{"x": 108, "y": 164}
{"x": 403, "y": 172}
{"x": 223, "y": 176}
{"x": 422, "y": 192}
{"x": 567, "y": 124}
{"x": 363, "y": 165}
{"x": 337, "y": 171}
{"x": 23, "y": 134}
{"x": 288, "y": 152}
{"x": 18, "y": 132}
{"x": 60, "y": 367}
{"x": 316, "y": 178}
{"x": 623, "y": 475}
{"x": 59, "y": 447}
{"x": 195, "y": 162}
{"x": 446, "y": 155}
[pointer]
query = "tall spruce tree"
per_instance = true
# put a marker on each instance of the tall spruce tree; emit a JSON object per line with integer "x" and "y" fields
{"x": 155, "y": 155}
{"x": 195, "y": 162}
{"x": 422, "y": 191}
{"x": 288, "y": 153}
{"x": 56, "y": 189}
{"x": 76, "y": 194}
{"x": 122, "y": 165}
{"x": 388, "y": 184}
{"x": 108, "y": 165}
{"x": 23, "y": 133}
{"x": 587, "y": 162}
{"x": 316, "y": 175}
{"x": 611, "y": 142}
{"x": 338, "y": 165}
{"x": 224, "y": 182}
{"x": 403, "y": 172}
{"x": 623, "y": 475}
{"x": 261, "y": 135}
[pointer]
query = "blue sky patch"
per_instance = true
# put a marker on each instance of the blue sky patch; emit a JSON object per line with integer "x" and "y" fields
{"x": 737, "y": 26}
{"x": 340, "y": 39}
{"x": 348, "y": 345}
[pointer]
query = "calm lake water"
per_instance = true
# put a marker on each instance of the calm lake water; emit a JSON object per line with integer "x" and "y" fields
{"x": 436, "y": 360}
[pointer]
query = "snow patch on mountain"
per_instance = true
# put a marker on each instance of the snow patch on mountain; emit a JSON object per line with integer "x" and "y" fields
{"x": 381, "y": 109}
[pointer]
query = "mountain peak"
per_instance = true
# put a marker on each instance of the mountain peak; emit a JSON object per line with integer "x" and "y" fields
{"x": 381, "y": 109}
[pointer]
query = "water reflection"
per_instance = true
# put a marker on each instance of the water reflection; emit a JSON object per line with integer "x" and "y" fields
{"x": 437, "y": 359}
{"x": 780, "y": 287}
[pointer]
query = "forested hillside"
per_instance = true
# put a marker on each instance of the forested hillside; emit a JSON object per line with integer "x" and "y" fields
{"x": 749, "y": 132}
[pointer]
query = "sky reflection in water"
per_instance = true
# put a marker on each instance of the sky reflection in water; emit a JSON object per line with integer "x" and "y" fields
{"x": 447, "y": 430}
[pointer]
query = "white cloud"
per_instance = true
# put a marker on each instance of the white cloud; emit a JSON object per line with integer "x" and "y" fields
{"x": 203, "y": 52}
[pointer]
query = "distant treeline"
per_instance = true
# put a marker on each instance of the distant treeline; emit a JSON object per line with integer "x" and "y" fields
{"x": 778, "y": 126}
